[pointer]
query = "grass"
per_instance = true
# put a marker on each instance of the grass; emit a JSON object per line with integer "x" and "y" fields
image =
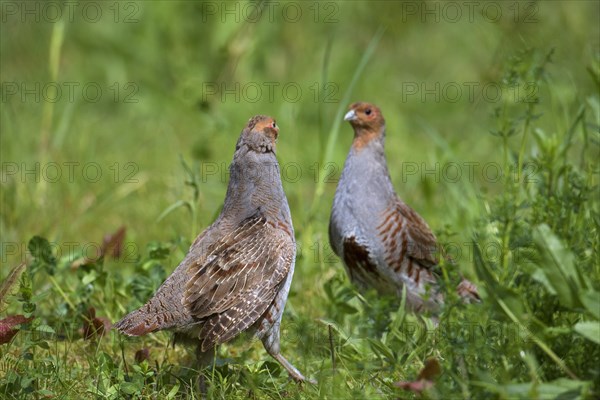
{"x": 151, "y": 153}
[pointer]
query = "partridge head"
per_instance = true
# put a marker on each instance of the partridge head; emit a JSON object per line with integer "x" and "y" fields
{"x": 367, "y": 121}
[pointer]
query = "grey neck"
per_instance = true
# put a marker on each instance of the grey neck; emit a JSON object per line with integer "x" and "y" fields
{"x": 366, "y": 170}
{"x": 254, "y": 187}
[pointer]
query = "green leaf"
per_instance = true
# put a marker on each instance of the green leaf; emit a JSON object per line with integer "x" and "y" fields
{"x": 26, "y": 382}
{"x": 589, "y": 330}
{"x": 173, "y": 392}
{"x": 39, "y": 248}
{"x": 561, "y": 388}
{"x": 382, "y": 350}
{"x": 540, "y": 276}
{"x": 45, "y": 328}
{"x": 89, "y": 278}
{"x": 129, "y": 388}
{"x": 345, "y": 308}
{"x": 343, "y": 336}
{"x": 158, "y": 251}
{"x": 483, "y": 270}
{"x": 558, "y": 267}
{"x": 498, "y": 292}
{"x": 41, "y": 251}
{"x": 591, "y": 301}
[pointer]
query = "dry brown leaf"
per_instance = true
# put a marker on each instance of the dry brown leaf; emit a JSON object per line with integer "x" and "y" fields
{"x": 7, "y": 327}
{"x": 426, "y": 377}
{"x": 93, "y": 326}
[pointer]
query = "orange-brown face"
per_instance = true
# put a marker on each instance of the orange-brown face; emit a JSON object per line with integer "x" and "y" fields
{"x": 260, "y": 134}
{"x": 367, "y": 121}
{"x": 365, "y": 118}
{"x": 267, "y": 125}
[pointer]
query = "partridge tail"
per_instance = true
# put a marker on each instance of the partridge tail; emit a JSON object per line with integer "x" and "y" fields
{"x": 159, "y": 313}
{"x": 163, "y": 311}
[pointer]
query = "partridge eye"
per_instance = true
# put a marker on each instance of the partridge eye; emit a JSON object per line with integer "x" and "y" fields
{"x": 368, "y": 111}
{"x": 273, "y": 125}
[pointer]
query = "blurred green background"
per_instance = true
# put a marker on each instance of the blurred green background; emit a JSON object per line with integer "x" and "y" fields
{"x": 103, "y": 100}
{"x": 167, "y": 57}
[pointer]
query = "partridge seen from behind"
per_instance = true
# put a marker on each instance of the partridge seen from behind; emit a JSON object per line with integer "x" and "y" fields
{"x": 383, "y": 243}
{"x": 237, "y": 273}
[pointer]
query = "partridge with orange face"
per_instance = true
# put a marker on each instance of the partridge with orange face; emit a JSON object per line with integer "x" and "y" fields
{"x": 237, "y": 273}
{"x": 383, "y": 243}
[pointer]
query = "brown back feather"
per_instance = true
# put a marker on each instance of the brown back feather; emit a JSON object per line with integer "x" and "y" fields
{"x": 238, "y": 279}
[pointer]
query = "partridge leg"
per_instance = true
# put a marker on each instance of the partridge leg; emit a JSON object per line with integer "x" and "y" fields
{"x": 205, "y": 360}
{"x": 271, "y": 343}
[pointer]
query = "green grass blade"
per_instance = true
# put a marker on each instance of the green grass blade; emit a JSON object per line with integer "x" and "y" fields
{"x": 335, "y": 128}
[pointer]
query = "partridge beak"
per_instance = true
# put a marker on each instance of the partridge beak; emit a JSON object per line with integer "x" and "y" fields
{"x": 350, "y": 115}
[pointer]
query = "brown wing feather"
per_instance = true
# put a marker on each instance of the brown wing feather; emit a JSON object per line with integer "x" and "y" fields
{"x": 402, "y": 226}
{"x": 361, "y": 267}
{"x": 238, "y": 279}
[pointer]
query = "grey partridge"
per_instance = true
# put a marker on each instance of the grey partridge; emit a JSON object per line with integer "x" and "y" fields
{"x": 383, "y": 243}
{"x": 237, "y": 273}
